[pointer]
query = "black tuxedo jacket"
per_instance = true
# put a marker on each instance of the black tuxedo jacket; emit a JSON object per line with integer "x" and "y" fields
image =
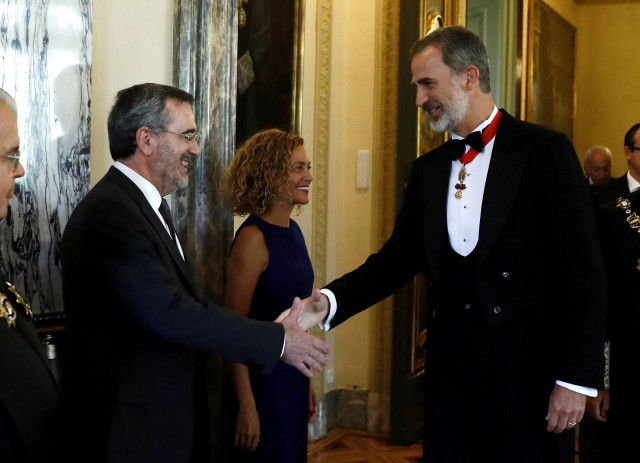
{"x": 135, "y": 327}
{"x": 614, "y": 188}
{"x": 30, "y": 401}
{"x": 537, "y": 255}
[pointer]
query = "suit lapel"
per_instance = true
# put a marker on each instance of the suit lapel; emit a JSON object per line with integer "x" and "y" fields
{"x": 31, "y": 337}
{"x": 508, "y": 160}
{"x": 435, "y": 187}
{"x": 136, "y": 196}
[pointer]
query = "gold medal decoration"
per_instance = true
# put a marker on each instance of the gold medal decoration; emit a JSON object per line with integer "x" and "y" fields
{"x": 462, "y": 175}
{"x": 7, "y": 312}
{"x": 19, "y": 299}
{"x": 632, "y": 218}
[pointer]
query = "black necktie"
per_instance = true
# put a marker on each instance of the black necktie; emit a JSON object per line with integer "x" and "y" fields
{"x": 165, "y": 212}
{"x": 456, "y": 147}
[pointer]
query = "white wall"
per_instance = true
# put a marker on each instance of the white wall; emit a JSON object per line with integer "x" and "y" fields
{"x": 132, "y": 44}
{"x": 349, "y": 211}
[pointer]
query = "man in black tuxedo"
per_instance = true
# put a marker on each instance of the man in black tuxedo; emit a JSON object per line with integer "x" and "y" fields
{"x": 30, "y": 401}
{"x": 596, "y": 435}
{"x": 619, "y": 224}
{"x": 621, "y": 186}
{"x": 136, "y": 325}
{"x": 507, "y": 243}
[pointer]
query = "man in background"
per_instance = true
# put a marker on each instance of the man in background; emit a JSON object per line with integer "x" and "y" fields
{"x": 30, "y": 401}
{"x": 597, "y": 165}
{"x": 628, "y": 182}
{"x": 134, "y": 376}
{"x": 618, "y": 224}
{"x": 596, "y": 439}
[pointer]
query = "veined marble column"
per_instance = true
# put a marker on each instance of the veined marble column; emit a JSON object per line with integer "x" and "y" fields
{"x": 45, "y": 63}
{"x": 204, "y": 63}
{"x": 205, "y": 42}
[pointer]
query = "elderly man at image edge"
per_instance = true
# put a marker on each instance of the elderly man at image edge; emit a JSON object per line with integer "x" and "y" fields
{"x": 30, "y": 401}
{"x": 133, "y": 374}
{"x": 506, "y": 240}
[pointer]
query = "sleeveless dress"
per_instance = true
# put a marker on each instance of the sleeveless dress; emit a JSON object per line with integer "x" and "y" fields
{"x": 282, "y": 398}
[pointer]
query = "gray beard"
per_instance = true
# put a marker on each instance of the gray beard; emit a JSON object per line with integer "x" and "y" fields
{"x": 453, "y": 114}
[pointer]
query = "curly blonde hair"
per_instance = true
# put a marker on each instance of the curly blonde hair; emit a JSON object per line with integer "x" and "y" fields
{"x": 259, "y": 175}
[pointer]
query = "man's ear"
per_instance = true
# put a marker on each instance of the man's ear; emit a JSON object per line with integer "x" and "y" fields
{"x": 472, "y": 76}
{"x": 145, "y": 141}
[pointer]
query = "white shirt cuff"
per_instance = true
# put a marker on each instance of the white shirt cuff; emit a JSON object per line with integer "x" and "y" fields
{"x": 333, "y": 307}
{"x": 588, "y": 391}
{"x": 284, "y": 343}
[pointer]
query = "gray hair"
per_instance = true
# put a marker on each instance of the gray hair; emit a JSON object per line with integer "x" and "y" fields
{"x": 597, "y": 147}
{"x": 8, "y": 100}
{"x": 142, "y": 105}
{"x": 460, "y": 48}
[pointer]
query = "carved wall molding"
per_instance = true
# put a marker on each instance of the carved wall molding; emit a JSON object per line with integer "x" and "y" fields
{"x": 321, "y": 129}
{"x": 383, "y": 210}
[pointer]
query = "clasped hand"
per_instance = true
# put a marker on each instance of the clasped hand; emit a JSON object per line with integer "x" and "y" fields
{"x": 302, "y": 350}
{"x": 313, "y": 310}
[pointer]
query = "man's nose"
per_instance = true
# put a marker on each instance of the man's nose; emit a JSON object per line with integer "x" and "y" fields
{"x": 421, "y": 98}
{"x": 194, "y": 148}
{"x": 19, "y": 171}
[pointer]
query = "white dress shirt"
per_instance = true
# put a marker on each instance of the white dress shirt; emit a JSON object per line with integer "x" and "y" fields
{"x": 149, "y": 191}
{"x": 632, "y": 182}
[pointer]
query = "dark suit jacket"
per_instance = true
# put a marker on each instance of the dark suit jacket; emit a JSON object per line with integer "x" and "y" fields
{"x": 621, "y": 246}
{"x": 614, "y": 188}
{"x": 537, "y": 257}
{"x": 30, "y": 401}
{"x": 135, "y": 327}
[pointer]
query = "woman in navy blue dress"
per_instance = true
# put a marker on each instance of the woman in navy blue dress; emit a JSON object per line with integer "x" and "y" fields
{"x": 268, "y": 266}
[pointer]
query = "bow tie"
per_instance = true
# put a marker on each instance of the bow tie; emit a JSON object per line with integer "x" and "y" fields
{"x": 456, "y": 147}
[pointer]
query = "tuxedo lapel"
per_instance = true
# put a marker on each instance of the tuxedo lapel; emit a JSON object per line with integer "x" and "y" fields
{"x": 136, "y": 196}
{"x": 435, "y": 186}
{"x": 508, "y": 160}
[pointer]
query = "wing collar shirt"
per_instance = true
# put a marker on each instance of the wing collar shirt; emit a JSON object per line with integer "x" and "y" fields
{"x": 463, "y": 215}
{"x": 149, "y": 191}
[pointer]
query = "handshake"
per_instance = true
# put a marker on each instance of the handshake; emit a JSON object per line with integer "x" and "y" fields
{"x": 302, "y": 350}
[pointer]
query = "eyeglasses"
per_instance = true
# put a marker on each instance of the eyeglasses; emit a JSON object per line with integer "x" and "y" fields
{"x": 187, "y": 137}
{"x": 15, "y": 158}
{"x": 634, "y": 148}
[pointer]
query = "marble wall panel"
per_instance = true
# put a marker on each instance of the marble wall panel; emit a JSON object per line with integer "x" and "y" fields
{"x": 204, "y": 64}
{"x": 45, "y": 63}
{"x": 204, "y": 60}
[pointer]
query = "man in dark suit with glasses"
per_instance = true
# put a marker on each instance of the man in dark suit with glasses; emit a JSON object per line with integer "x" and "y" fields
{"x": 136, "y": 324}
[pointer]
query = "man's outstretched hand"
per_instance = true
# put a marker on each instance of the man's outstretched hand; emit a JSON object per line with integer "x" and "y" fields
{"x": 301, "y": 350}
{"x": 314, "y": 310}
